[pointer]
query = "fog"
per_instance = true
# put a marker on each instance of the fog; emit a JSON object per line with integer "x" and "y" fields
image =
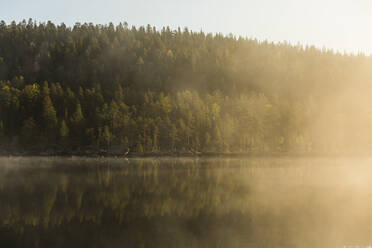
{"x": 149, "y": 91}
{"x": 214, "y": 202}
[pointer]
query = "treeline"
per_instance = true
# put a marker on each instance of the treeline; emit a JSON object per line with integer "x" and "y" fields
{"x": 105, "y": 88}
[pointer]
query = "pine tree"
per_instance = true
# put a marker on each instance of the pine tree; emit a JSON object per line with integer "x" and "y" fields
{"x": 177, "y": 90}
{"x": 49, "y": 113}
{"x": 63, "y": 131}
{"x": 78, "y": 117}
{"x": 140, "y": 148}
{"x": 64, "y": 134}
{"x": 106, "y": 136}
{"x": 77, "y": 126}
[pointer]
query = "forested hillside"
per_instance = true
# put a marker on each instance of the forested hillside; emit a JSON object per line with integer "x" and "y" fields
{"x": 105, "y": 88}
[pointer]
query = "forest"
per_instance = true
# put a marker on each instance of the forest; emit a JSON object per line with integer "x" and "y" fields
{"x": 106, "y": 89}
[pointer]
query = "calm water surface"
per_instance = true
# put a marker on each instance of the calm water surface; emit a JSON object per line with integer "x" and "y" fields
{"x": 283, "y": 202}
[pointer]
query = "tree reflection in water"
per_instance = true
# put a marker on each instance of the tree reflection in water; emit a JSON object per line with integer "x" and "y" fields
{"x": 170, "y": 202}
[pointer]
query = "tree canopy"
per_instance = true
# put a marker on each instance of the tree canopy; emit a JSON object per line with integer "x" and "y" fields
{"x": 113, "y": 88}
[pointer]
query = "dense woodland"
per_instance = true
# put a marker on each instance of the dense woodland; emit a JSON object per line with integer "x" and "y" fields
{"x": 109, "y": 89}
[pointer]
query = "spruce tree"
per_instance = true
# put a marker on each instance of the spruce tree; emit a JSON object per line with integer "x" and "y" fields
{"x": 64, "y": 131}
{"x": 49, "y": 114}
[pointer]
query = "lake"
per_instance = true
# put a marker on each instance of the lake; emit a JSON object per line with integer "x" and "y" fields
{"x": 190, "y": 202}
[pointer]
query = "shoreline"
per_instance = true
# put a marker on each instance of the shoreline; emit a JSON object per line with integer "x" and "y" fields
{"x": 182, "y": 154}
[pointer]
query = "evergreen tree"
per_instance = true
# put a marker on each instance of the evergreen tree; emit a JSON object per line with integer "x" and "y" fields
{"x": 96, "y": 86}
{"x": 77, "y": 126}
{"x": 49, "y": 113}
{"x": 78, "y": 117}
{"x": 64, "y": 131}
{"x": 106, "y": 136}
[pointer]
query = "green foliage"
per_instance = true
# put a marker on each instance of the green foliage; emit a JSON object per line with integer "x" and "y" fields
{"x": 49, "y": 113}
{"x": 106, "y": 136}
{"x": 161, "y": 91}
{"x": 140, "y": 148}
{"x": 64, "y": 131}
{"x": 78, "y": 117}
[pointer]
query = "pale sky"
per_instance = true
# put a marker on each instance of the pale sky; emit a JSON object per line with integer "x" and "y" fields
{"x": 343, "y": 25}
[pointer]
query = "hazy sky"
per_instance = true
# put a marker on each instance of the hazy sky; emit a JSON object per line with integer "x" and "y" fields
{"x": 338, "y": 24}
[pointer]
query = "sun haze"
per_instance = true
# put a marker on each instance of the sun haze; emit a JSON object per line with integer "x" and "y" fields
{"x": 339, "y": 25}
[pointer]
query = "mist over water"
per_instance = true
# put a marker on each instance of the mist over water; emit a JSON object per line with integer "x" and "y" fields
{"x": 257, "y": 202}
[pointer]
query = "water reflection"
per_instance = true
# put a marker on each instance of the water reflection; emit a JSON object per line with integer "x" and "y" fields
{"x": 46, "y": 202}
